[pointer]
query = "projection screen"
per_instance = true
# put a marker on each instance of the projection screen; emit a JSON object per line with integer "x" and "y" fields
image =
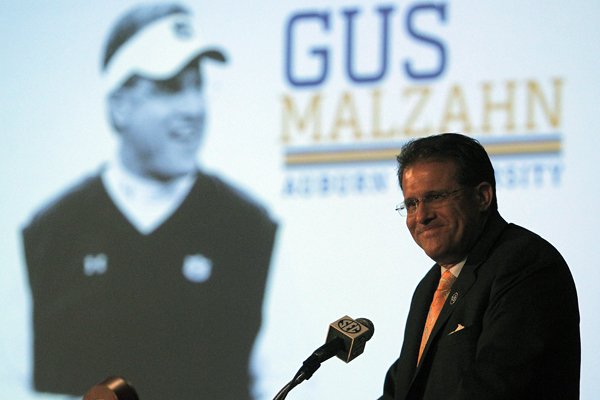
{"x": 305, "y": 119}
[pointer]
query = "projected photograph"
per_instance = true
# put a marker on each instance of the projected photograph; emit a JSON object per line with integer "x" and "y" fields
{"x": 316, "y": 200}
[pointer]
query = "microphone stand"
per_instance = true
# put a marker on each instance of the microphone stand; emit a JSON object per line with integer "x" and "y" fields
{"x": 300, "y": 377}
{"x": 310, "y": 365}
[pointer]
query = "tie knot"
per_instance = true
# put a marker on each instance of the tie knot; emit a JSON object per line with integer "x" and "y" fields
{"x": 446, "y": 281}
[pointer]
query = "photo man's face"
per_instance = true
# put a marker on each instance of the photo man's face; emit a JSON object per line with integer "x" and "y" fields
{"x": 161, "y": 124}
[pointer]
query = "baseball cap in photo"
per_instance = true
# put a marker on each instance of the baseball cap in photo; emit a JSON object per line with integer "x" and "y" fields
{"x": 156, "y": 48}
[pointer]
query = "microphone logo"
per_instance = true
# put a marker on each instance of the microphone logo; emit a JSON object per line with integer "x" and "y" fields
{"x": 349, "y": 325}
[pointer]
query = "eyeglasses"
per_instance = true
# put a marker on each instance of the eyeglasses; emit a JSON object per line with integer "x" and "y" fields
{"x": 433, "y": 199}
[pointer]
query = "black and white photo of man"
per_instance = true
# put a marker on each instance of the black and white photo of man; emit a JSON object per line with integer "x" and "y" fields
{"x": 151, "y": 268}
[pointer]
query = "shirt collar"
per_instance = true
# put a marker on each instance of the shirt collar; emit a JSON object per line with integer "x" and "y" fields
{"x": 145, "y": 202}
{"x": 456, "y": 268}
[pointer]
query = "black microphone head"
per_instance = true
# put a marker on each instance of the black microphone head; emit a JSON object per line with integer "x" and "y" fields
{"x": 346, "y": 339}
{"x": 369, "y": 325}
{"x": 353, "y": 333}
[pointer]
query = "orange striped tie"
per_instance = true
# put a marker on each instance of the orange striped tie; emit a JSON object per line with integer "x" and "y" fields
{"x": 439, "y": 298}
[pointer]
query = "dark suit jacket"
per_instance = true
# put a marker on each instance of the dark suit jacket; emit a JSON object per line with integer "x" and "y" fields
{"x": 516, "y": 299}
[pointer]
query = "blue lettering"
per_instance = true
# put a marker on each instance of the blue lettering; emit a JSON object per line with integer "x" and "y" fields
{"x": 307, "y": 61}
{"x": 383, "y": 48}
{"x": 319, "y": 52}
{"x": 529, "y": 174}
{"x": 419, "y": 36}
{"x": 329, "y": 183}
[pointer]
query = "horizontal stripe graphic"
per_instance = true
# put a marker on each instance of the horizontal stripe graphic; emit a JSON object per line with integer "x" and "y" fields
{"x": 370, "y": 152}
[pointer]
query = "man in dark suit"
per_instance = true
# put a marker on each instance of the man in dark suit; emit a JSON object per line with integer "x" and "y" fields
{"x": 503, "y": 321}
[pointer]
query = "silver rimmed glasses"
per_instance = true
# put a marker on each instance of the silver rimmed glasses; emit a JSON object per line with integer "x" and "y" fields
{"x": 432, "y": 199}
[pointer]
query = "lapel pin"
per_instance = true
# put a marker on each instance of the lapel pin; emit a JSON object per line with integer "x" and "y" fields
{"x": 454, "y": 298}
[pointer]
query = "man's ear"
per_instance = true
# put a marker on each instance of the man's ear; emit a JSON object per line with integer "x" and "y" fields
{"x": 485, "y": 195}
{"x": 119, "y": 107}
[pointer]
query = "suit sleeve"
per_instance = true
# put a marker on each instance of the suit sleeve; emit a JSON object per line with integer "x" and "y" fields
{"x": 389, "y": 384}
{"x": 529, "y": 342}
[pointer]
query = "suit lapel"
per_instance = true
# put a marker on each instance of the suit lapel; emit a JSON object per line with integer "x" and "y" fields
{"x": 414, "y": 329}
{"x": 494, "y": 226}
{"x": 465, "y": 280}
{"x": 424, "y": 302}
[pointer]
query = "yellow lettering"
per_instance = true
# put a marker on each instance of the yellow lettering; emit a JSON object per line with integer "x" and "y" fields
{"x": 456, "y": 111}
{"x": 346, "y": 116}
{"x": 490, "y": 106}
{"x": 422, "y": 93}
{"x": 376, "y": 130}
{"x": 292, "y": 119}
{"x": 535, "y": 96}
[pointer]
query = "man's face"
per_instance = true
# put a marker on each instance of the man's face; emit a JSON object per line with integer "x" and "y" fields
{"x": 444, "y": 229}
{"x": 161, "y": 124}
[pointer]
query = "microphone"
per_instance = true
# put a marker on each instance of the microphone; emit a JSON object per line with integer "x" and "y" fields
{"x": 346, "y": 339}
